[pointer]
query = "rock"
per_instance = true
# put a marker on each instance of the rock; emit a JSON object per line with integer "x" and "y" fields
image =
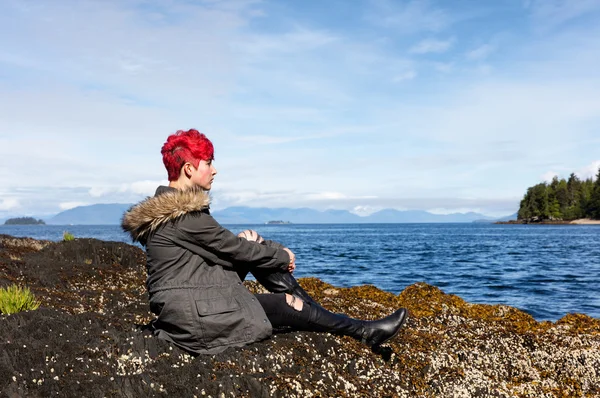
{"x": 87, "y": 340}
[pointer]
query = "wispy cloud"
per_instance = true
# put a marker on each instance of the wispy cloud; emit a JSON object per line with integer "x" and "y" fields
{"x": 366, "y": 210}
{"x": 145, "y": 188}
{"x": 407, "y": 75}
{"x": 412, "y": 16}
{"x": 480, "y": 52}
{"x": 549, "y": 14}
{"x": 432, "y": 46}
{"x": 549, "y": 176}
{"x": 9, "y": 204}
{"x": 70, "y": 205}
{"x": 589, "y": 171}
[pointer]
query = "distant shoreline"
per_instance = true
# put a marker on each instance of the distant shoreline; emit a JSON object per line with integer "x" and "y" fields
{"x": 581, "y": 221}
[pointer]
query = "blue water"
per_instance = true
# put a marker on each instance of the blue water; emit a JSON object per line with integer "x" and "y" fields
{"x": 546, "y": 270}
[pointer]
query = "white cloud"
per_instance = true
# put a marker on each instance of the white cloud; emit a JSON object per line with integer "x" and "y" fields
{"x": 589, "y": 171}
{"x": 9, "y": 204}
{"x": 364, "y": 211}
{"x": 412, "y": 16}
{"x": 408, "y": 75}
{"x": 480, "y": 52}
{"x": 551, "y": 13}
{"x": 70, "y": 205}
{"x": 444, "y": 67}
{"x": 326, "y": 196}
{"x": 99, "y": 191}
{"x": 463, "y": 210}
{"x": 299, "y": 39}
{"x": 432, "y": 46}
{"x": 145, "y": 188}
{"x": 548, "y": 176}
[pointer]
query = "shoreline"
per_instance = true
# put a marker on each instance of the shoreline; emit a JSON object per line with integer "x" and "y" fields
{"x": 580, "y": 221}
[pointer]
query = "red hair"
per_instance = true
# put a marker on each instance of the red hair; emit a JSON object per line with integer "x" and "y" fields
{"x": 185, "y": 147}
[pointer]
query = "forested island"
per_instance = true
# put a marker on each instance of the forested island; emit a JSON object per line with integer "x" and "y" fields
{"x": 562, "y": 200}
{"x": 24, "y": 221}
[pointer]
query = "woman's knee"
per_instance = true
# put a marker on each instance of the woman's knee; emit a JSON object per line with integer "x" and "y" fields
{"x": 294, "y": 302}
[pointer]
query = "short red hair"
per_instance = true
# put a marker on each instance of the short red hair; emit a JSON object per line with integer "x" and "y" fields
{"x": 183, "y": 147}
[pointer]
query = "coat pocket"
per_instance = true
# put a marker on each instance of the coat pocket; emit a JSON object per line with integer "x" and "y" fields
{"x": 216, "y": 305}
{"x": 221, "y": 320}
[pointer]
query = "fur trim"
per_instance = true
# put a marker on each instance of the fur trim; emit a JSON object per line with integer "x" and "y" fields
{"x": 143, "y": 219}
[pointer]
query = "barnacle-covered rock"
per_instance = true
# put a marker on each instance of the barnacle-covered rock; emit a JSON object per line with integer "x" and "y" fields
{"x": 88, "y": 340}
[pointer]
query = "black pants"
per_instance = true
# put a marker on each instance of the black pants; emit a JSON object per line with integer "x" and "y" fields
{"x": 312, "y": 317}
{"x": 281, "y": 314}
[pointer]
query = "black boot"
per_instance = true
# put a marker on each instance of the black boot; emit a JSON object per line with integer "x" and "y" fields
{"x": 371, "y": 333}
{"x": 379, "y": 331}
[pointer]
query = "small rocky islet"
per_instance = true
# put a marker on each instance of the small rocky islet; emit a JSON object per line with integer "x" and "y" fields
{"x": 87, "y": 339}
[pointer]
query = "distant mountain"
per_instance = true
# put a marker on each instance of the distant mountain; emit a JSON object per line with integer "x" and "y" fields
{"x": 250, "y": 215}
{"x": 505, "y": 218}
{"x": 111, "y": 214}
{"x": 100, "y": 214}
{"x": 508, "y": 218}
{"x": 420, "y": 216}
{"x": 260, "y": 215}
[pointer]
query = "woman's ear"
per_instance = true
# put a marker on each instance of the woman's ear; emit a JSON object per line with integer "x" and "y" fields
{"x": 187, "y": 169}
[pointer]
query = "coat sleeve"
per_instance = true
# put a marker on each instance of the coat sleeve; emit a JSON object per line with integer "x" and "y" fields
{"x": 202, "y": 230}
{"x": 272, "y": 243}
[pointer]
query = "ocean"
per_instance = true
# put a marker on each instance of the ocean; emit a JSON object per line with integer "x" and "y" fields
{"x": 545, "y": 270}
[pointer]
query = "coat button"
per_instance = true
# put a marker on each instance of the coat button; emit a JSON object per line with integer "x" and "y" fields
{"x": 239, "y": 283}
{"x": 264, "y": 320}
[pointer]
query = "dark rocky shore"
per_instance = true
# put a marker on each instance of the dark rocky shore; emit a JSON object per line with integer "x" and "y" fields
{"x": 85, "y": 341}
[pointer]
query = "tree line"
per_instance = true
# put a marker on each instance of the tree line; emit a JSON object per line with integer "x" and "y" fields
{"x": 562, "y": 200}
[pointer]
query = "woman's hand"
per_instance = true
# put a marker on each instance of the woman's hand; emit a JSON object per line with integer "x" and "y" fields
{"x": 251, "y": 236}
{"x": 292, "y": 265}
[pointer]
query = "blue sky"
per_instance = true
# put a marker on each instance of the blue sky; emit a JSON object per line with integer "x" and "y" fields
{"x": 358, "y": 105}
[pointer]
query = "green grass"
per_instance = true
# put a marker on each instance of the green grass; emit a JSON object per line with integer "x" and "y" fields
{"x": 15, "y": 299}
{"x": 67, "y": 236}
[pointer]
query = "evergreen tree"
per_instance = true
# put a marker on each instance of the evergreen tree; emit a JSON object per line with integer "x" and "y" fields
{"x": 541, "y": 206}
{"x": 594, "y": 205}
{"x": 562, "y": 197}
{"x": 525, "y": 211}
{"x": 554, "y": 212}
{"x": 574, "y": 209}
{"x": 587, "y": 187}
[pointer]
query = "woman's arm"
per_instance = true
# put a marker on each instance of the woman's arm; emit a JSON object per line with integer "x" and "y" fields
{"x": 253, "y": 236}
{"x": 207, "y": 234}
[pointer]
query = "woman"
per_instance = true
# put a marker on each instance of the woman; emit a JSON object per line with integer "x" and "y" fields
{"x": 196, "y": 267}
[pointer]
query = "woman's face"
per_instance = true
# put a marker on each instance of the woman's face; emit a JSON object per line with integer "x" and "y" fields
{"x": 204, "y": 175}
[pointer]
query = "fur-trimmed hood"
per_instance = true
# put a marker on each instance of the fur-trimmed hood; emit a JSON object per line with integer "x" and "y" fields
{"x": 167, "y": 205}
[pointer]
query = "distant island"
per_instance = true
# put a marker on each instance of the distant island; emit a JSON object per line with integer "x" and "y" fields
{"x": 24, "y": 221}
{"x": 571, "y": 201}
{"x": 278, "y": 222}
